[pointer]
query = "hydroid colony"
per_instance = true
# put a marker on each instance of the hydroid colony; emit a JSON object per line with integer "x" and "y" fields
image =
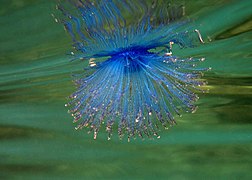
{"x": 139, "y": 83}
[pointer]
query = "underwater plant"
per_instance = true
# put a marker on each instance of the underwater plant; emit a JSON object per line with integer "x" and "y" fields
{"x": 133, "y": 78}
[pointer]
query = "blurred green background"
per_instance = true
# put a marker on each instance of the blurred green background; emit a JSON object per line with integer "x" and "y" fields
{"x": 37, "y": 137}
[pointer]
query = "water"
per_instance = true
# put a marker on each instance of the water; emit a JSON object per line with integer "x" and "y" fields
{"x": 37, "y": 137}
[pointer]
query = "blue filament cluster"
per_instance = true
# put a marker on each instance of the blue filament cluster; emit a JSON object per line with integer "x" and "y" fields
{"x": 140, "y": 84}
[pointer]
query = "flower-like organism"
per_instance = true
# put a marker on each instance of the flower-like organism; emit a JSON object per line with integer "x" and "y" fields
{"x": 133, "y": 78}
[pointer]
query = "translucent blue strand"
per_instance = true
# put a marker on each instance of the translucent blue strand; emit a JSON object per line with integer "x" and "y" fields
{"x": 133, "y": 78}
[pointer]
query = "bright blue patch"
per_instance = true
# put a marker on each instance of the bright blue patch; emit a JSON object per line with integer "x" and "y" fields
{"x": 140, "y": 83}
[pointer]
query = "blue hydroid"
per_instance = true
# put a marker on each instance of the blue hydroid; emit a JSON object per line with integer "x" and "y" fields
{"x": 133, "y": 77}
